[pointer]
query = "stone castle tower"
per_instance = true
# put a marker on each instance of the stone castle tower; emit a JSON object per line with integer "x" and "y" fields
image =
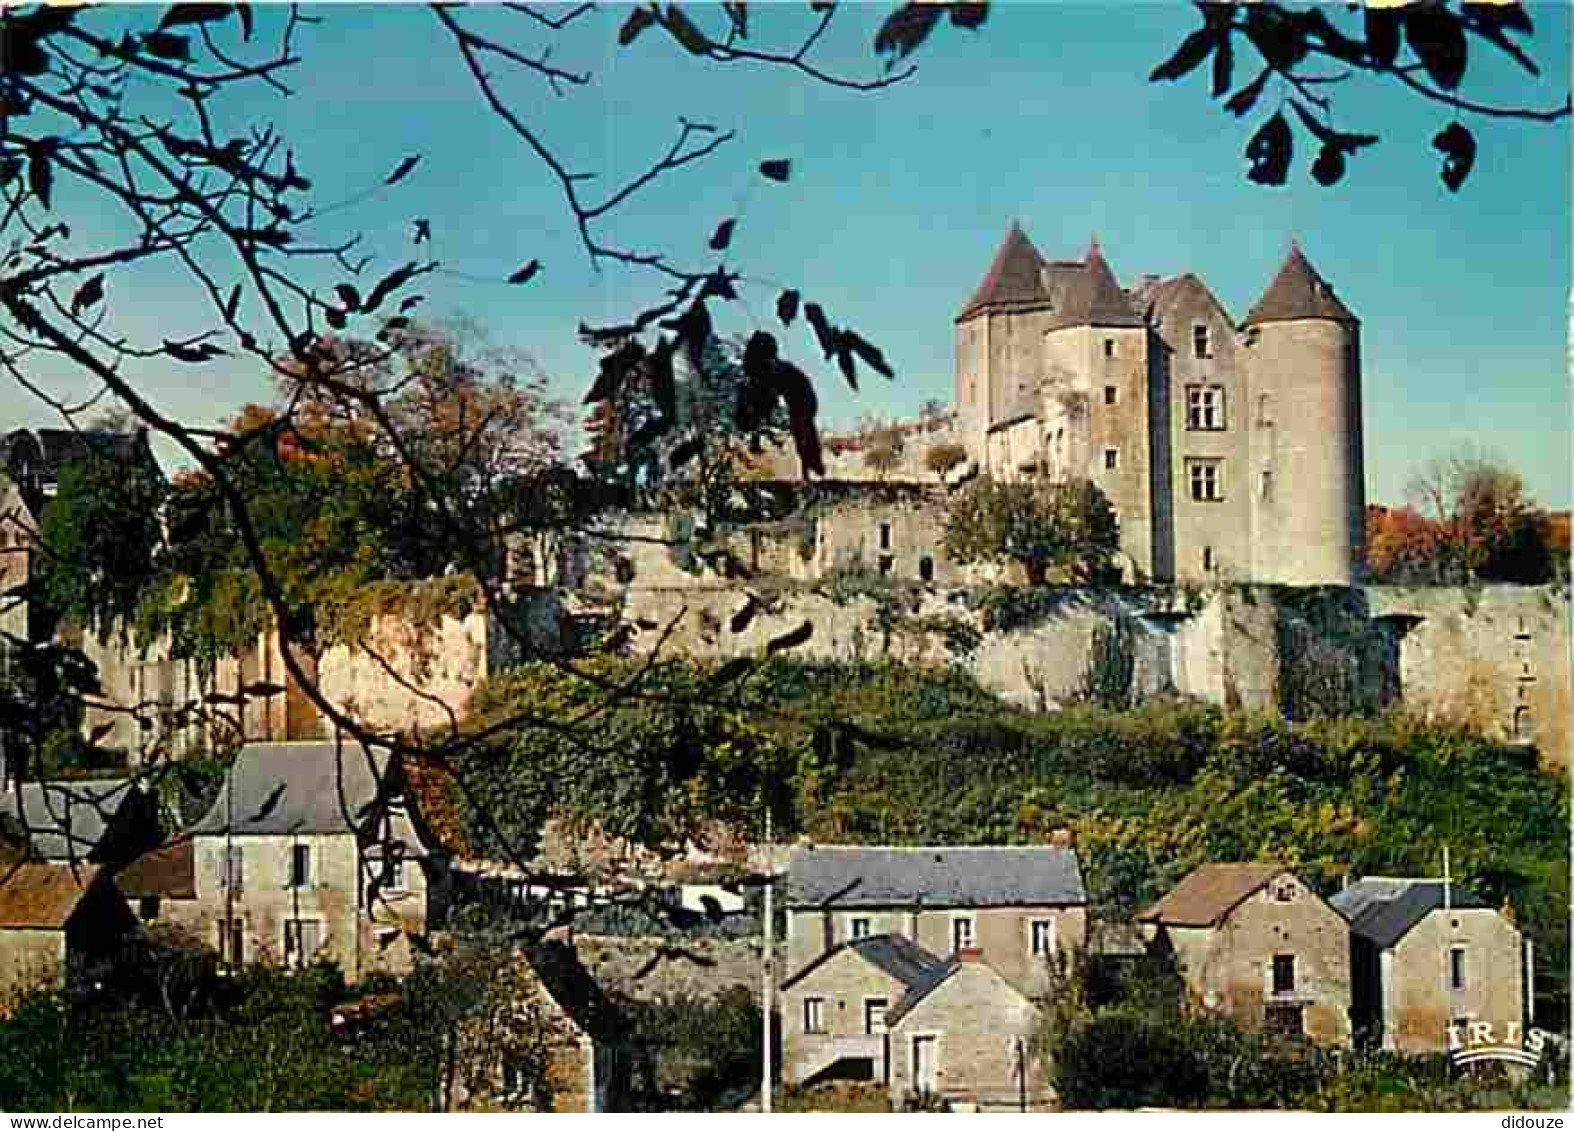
{"x": 1230, "y": 453}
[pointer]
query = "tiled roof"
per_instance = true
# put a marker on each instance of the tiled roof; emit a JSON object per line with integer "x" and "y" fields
{"x": 1014, "y": 278}
{"x": 169, "y": 873}
{"x": 42, "y": 895}
{"x": 310, "y": 787}
{"x": 849, "y": 876}
{"x": 1382, "y": 911}
{"x": 1296, "y": 292}
{"x": 1209, "y": 893}
{"x": 64, "y": 820}
{"x": 1092, "y": 297}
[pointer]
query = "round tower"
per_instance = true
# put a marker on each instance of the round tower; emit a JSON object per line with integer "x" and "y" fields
{"x": 1306, "y": 477}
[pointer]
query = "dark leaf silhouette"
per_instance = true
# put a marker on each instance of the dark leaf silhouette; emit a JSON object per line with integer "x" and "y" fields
{"x": 1458, "y": 146}
{"x": 1347, "y": 143}
{"x": 1243, "y": 100}
{"x": 1383, "y": 26}
{"x": 738, "y": 12}
{"x": 193, "y": 354}
{"x": 178, "y": 14}
{"x": 410, "y": 302}
{"x": 1269, "y": 151}
{"x": 970, "y": 16}
{"x": 1223, "y": 68}
{"x": 232, "y": 303}
{"x": 348, "y": 295}
{"x": 718, "y": 284}
{"x": 615, "y": 368}
{"x": 167, "y": 45}
{"x": 777, "y": 171}
{"x": 335, "y": 318}
{"x": 423, "y": 230}
{"x": 722, "y": 237}
{"x": 844, "y": 362}
{"x": 639, "y": 19}
{"x": 99, "y": 733}
{"x": 905, "y": 30}
{"x": 1509, "y": 16}
{"x": 1279, "y": 36}
{"x": 684, "y": 452}
{"x": 403, "y": 169}
{"x": 868, "y": 353}
{"x": 823, "y": 332}
{"x": 802, "y": 407}
{"x": 88, "y": 294}
{"x": 40, "y": 174}
{"x": 1438, "y": 39}
{"x": 681, "y": 28}
{"x": 1328, "y": 169}
{"x": 790, "y": 640}
{"x": 740, "y": 620}
{"x": 269, "y": 804}
{"x": 1188, "y": 56}
{"x": 395, "y": 279}
{"x": 262, "y": 690}
{"x": 392, "y": 326}
{"x": 525, "y": 273}
{"x": 787, "y": 307}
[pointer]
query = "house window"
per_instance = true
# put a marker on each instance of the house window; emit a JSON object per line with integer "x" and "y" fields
{"x": 148, "y": 908}
{"x": 1043, "y": 938}
{"x": 1267, "y": 485}
{"x": 1207, "y": 559}
{"x": 1111, "y": 459}
{"x": 1205, "y": 408}
{"x": 887, "y": 564}
{"x": 1284, "y": 892}
{"x": 1284, "y": 973}
{"x": 1111, "y": 395}
{"x": 814, "y": 1015}
{"x": 885, "y": 534}
{"x": 874, "y": 1015}
{"x": 234, "y": 868}
{"x": 232, "y": 942}
{"x": 926, "y": 568}
{"x": 1109, "y": 347}
{"x": 962, "y": 933}
{"x": 1207, "y": 480}
{"x": 1456, "y": 968}
{"x": 517, "y": 1085}
{"x": 300, "y": 866}
{"x": 1199, "y": 340}
{"x": 858, "y": 928}
{"x": 302, "y": 941}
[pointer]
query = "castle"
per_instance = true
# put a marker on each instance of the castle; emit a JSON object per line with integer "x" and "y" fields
{"x": 1230, "y": 453}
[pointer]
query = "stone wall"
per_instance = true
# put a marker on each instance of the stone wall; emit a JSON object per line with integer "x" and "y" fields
{"x": 1494, "y": 659}
{"x": 1419, "y": 1004}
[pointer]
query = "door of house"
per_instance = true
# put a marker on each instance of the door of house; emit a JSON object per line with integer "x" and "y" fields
{"x": 925, "y": 1076}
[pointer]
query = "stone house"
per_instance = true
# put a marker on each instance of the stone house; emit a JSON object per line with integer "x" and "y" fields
{"x": 59, "y": 923}
{"x": 161, "y": 885}
{"x": 1427, "y": 956}
{"x": 1253, "y": 942}
{"x": 313, "y": 851}
{"x": 1014, "y": 905}
{"x": 577, "y": 1038}
{"x": 80, "y": 820}
{"x": 883, "y": 1008}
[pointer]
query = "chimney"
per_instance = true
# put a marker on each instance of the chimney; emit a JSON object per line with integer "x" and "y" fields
{"x": 1063, "y": 838}
{"x": 970, "y": 954}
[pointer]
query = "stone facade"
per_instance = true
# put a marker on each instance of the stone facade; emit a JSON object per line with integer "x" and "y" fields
{"x": 1276, "y": 959}
{"x": 827, "y": 1008}
{"x": 1419, "y": 1003}
{"x": 1230, "y": 453}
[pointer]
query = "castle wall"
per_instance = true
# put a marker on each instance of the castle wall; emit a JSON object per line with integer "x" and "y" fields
{"x": 1308, "y": 498}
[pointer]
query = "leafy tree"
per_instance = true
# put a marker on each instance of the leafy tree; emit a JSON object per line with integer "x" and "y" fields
{"x": 1475, "y": 521}
{"x": 942, "y": 459}
{"x": 883, "y": 446}
{"x": 1036, "y": 525}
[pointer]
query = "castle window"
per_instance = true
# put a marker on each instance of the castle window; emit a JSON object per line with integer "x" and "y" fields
{"x": 1205, "y": 408}
{"x": 1267, "y": 485}
{"x": 1111, "y": 395}
{"x": 1206, "y": 477}
{"x": 926, "y": 568}
{"x": 1109, "y": 347}
{"x": 885, "y": 534}
{"x": 1456, "y": 968}
{"x": 1264, "y": 415}
{"x": 1207, "y": 559}
{"x": 1199, "y": 340}
{"x": 1111, "y": 459}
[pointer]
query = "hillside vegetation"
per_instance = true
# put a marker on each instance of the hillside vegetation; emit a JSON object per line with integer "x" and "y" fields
{"x": 895, "y": 754}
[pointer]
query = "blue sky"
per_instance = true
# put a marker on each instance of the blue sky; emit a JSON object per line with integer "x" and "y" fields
{"x": 899, "y": 198}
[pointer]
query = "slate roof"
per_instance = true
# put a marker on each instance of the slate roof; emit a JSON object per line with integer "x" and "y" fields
{"x": 1014, "y": 279}
{"x": 845, "y": 876}
{"x": 280, "y": 788}
{"x": 65, "y": 820}
{"x": 169, "y": 872}
{"x": 918, "y": 970}
{"x": 1382, "y": 911}
{"x": 42, "y": 896}
{"x": 1298, "y": 291}
{"x": 1092, "y": 297}
{"x": 1209, "y": 893}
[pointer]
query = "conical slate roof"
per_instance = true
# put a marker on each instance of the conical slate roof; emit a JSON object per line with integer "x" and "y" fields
{"x": 1093, "y": 297}
{"x": 1296, "y": 292}
{"x": 1014, "y": 278}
